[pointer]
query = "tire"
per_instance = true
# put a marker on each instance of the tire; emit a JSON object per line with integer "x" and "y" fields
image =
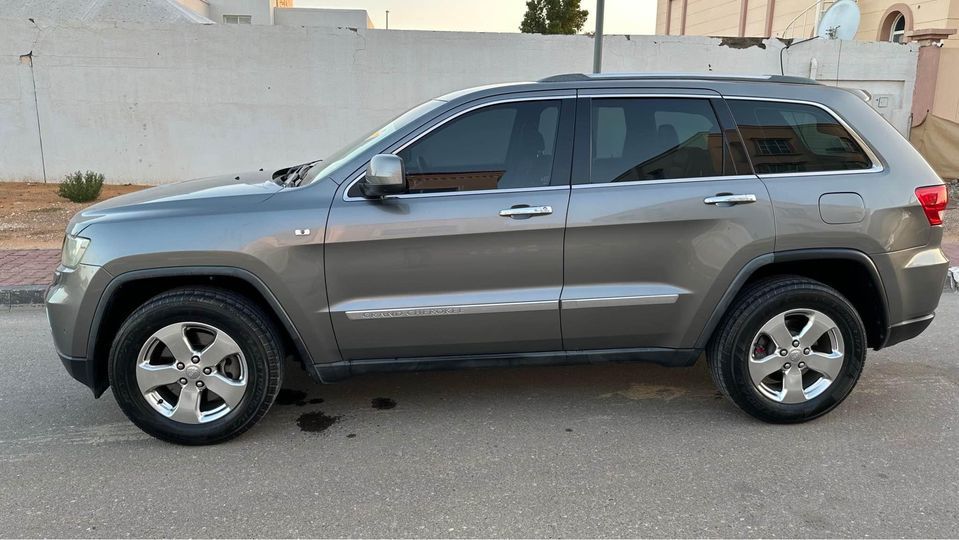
{"x": 741, "y": 352}
{"x": 231, "y": 365}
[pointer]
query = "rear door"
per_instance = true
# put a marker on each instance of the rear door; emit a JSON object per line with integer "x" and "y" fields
{"x": 663, "y": 214}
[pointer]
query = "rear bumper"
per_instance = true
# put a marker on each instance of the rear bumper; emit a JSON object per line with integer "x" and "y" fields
{"x": 913, "y": 280}
{"x": 898, "y": 333}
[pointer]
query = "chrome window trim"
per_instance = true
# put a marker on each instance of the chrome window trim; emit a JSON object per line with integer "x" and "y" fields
{"x": 666, "y": 181}
{"x": 877, "y": 165}
{"x": 441, "y": 123}
{"x": 451, "y": 193}
{"x": 452, "y": 309}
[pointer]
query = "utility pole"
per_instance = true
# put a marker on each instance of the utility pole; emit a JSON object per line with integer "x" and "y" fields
{"x": 387, "y": 19}
{"x": 598, "y": 38}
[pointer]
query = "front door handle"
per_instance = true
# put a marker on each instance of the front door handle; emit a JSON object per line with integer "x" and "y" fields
{"x": 728, "y": 199}
{"x": 526, "y": 211}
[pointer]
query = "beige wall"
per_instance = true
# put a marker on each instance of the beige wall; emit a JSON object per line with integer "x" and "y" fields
{"x": 712, "y": 17}
{"x": 721, "y": 17}
{"x": 946, "y": 102}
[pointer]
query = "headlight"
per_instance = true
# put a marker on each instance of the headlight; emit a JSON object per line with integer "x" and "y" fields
{"x": 73, "y": 249}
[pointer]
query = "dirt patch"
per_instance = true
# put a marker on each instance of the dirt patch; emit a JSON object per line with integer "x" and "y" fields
{"x": 641, "y": 392}
{"x": 33, "y": 216}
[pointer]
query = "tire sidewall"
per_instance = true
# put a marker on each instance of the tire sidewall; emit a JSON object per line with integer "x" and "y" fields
{"x": 853, "y": 334}
{"x": 260, "y": 362}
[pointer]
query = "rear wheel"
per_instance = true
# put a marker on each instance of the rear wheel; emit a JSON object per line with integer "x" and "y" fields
{"x": 789, "y": 349}
{"x": 196, "y": 366}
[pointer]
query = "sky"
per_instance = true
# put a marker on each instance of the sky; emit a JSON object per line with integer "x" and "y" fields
{"x": 622, "y": 16}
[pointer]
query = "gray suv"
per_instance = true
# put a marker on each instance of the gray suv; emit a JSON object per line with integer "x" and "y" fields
{"x": 776, "y": 225}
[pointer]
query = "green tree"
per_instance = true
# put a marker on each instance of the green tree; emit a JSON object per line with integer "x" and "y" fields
{"x": 553, "y": 17}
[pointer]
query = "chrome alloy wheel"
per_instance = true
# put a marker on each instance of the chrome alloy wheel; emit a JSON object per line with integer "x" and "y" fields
{"x": 192, "y": 372}
{"x": 796, "y": 356}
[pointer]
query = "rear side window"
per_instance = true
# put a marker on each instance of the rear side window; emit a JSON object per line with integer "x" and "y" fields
{"x": 635, "y": 139}
{"x": 795, "y": 138}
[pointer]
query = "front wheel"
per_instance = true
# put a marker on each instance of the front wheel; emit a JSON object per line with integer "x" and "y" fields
{"x": 789, "y": 349}
{"x": 196, "y": 366}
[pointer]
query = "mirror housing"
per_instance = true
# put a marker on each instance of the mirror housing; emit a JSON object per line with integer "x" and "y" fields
{"x": 385, "y": 175}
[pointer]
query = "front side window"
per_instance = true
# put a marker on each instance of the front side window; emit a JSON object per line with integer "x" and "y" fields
{"x": 635, "y": 139}
{"x": 795, "y": 137}
{"x": 505, "y": 146}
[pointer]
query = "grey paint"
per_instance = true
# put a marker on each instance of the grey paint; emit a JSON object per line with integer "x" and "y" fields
{"x": 841, "y": 208}
{"x": 636, "y": 266}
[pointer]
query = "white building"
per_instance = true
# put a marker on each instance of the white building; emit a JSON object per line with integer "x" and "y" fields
{"x": 279, "y": 12}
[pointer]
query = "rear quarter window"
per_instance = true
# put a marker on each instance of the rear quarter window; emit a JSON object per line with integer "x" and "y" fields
{"x": 795, "y": 138}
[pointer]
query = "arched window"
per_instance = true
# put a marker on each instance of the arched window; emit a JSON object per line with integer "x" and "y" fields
{"x": 898, "y": 30}
{"x": 896, "y": 24}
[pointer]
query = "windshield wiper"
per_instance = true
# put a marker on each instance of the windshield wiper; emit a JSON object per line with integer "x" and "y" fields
{"x": 296, "y": 174}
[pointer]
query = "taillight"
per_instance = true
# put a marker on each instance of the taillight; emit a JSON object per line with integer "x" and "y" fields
{"x": 933, "y": 200}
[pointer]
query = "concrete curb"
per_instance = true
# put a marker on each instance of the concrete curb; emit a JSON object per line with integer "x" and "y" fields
{"x": 16, "y": 295}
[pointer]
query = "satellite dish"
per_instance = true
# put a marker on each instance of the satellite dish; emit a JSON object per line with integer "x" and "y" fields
{"x": 840, "y": 21}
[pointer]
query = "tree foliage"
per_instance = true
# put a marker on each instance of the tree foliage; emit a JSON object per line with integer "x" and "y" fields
{"x": 553, "y": 17}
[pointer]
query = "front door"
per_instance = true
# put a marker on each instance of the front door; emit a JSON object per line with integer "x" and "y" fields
{"x": 470, "y": 261}
{"x": 664, "y": 212}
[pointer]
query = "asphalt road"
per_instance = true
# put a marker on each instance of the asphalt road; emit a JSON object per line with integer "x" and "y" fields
{"x": 616, "y": 450}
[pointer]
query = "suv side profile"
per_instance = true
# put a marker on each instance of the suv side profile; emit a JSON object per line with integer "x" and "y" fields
{"x": 776, "y": 225}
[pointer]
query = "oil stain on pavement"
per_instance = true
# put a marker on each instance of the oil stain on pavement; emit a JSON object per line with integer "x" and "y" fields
{"x": 315, "y": 422}
{"x": 382, "y": 403}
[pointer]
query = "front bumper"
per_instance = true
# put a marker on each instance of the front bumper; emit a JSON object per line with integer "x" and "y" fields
{"x": 71, "y": 302}
{"x": 83, "y": 371}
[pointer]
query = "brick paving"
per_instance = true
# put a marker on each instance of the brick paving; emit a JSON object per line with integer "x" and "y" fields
{"x": 27, "y": 266}
{"x": 35, "y": 266}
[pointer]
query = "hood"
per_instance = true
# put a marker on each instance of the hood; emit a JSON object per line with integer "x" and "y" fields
{"x": 223, "y": 193}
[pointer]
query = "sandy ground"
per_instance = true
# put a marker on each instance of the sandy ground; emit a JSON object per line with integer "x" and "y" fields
{"x": 33, "y": 216}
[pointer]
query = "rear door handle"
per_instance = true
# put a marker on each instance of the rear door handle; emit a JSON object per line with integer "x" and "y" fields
{"x": 729, "y": 200}
{"x": 526, "y": 211}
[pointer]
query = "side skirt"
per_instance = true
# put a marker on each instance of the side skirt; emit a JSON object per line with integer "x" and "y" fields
{"x": 336, "y": 371}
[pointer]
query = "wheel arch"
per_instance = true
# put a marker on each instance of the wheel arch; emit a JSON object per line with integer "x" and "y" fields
{"x": 851, "y": 272}
{"x": 131, "y": 289}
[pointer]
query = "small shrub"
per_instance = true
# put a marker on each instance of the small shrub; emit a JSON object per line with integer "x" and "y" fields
{"x": 81, "y": 187}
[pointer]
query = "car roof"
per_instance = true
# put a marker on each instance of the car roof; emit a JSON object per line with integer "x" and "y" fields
{"x": 597, "y": 77}
{"x": 599, "y": 80}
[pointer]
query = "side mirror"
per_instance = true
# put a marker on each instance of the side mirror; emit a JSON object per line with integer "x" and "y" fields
{"x": 385, "y": 175}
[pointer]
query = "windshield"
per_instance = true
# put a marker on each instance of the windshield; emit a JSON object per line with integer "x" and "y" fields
{"x": 364, "y": 143}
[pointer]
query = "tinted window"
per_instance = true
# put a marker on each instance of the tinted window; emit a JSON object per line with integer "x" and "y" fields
{"x": 504, "y": 146}
{"x": 654, "y": 139}
{"x": 792, "y": 137}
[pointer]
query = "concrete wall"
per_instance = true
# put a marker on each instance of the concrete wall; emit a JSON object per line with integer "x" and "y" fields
{"x": 145, "y": 103}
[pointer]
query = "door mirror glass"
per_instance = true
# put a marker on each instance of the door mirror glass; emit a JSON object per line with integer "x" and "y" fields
{"x": 385, "y": 175}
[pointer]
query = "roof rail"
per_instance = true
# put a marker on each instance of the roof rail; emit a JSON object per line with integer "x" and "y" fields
{"x": 583, "y": 77}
